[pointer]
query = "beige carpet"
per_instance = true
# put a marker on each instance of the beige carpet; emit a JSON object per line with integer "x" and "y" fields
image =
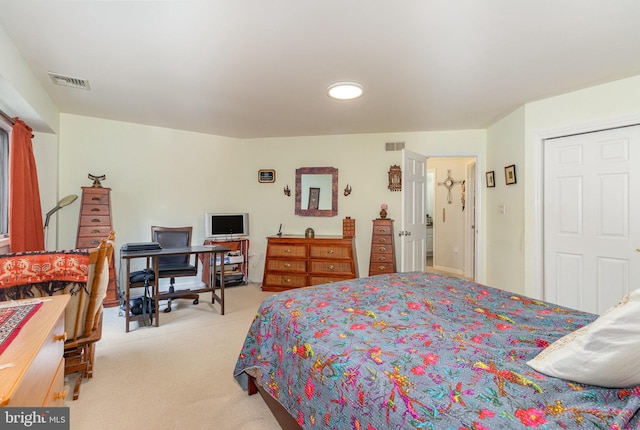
{"x": 178, "y": 376}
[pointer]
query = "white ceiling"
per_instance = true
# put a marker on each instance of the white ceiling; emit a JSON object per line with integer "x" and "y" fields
{"x": 260, "y": 68}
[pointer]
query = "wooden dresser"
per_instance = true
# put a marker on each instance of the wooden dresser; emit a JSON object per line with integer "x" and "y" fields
{"x": 94, "y": 225}
{"x": 296, "y": 261}
{"x": 37, "y": 379}
{"x": 383, "y": 258}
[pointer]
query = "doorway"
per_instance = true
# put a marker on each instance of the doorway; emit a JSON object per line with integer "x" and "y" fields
{"x": 449, "y": 216}
{"x": 430, "y": 202}
{"x": 452, "y": 251}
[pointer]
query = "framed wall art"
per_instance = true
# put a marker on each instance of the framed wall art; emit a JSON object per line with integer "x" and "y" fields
{"x": 395, "y": 178}
{"x": 314, "y": 197}
{"x": 266, "y": 176}
{"x": 510, "y": 174}
{"x": 491, "y": 179}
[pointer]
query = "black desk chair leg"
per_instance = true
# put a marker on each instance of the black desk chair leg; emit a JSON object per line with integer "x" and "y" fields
{"x": 195, "y": 297}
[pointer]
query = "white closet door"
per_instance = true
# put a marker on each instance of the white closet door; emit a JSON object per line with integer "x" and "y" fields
{"x": 592, "y": 218}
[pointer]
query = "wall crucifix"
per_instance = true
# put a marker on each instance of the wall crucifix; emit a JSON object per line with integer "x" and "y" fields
{"x": 449, "y": 182}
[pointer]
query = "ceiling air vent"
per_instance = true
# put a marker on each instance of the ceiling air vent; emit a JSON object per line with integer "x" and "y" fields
{"x": 68, "y": 81}
{"x": 394, "y": 146}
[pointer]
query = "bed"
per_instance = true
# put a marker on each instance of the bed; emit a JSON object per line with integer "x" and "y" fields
{"x": 421, "y": 351}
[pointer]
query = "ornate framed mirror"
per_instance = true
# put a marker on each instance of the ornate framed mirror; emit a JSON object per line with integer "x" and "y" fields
{"x": 317, "y": 191}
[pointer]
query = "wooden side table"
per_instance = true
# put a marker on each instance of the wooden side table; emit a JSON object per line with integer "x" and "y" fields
{"x": 383, "y": 259}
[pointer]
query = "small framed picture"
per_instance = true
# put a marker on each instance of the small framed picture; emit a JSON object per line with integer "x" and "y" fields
{"x": 510, "y": 174}
{"x": 314, "y": 197}
{"x": 491, "y": 180}
{"x": 266, "y": 176}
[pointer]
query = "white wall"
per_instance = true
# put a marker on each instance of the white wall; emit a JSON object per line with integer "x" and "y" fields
{"x": 169, "y": 177}
{"x": 45, "y": 150}
{"x": 20, "y": 92}
{"x": 514, "y": 245}
{"x": 21, "y": 95}
{"x": 505, "y": 232}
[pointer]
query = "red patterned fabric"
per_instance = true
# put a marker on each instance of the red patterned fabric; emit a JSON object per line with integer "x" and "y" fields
{"x": 11, "y": 321}
{"x": 47, "y": 271}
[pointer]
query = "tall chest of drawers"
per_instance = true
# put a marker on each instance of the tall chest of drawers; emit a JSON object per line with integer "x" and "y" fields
{"x": 94, "y": 225}
{"x": 297, "y": 261}
{"x": 383, "y": 259}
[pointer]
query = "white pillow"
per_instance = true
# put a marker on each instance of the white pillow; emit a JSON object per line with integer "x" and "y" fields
{"x": 605, "y": 352}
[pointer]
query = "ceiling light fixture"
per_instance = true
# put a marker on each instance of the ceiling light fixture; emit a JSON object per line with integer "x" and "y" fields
{"x": 345, "y": 90}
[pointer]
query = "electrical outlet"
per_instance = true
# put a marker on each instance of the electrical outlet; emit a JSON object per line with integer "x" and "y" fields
{"x": 501, "y": 210}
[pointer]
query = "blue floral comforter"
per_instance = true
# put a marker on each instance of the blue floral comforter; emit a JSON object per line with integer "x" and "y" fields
{"x": 420, "y": 351}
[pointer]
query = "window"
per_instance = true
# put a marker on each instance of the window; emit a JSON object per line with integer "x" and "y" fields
{"x": 5, "y": 128}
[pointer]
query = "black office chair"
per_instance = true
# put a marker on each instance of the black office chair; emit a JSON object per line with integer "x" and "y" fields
{"x": 168, "y": 267}
{"x": 175, "y": 266}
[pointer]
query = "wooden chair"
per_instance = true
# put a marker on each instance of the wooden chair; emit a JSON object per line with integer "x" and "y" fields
{"x": 83, "y": 317}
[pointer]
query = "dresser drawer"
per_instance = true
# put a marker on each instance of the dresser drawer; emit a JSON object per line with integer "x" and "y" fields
{"x": 88, "y": 242}
{"x": 379, "y": 268}
{"x": 337, "y": 267}
{"x": 382, "y": 258}
{"x": 95, "y": 210}
{"x": 95, "y": 231}
{"x": 57, "y": 392}
{"x": 318, "y": 280}
{"x": 90, "y": 220}
{"x": 95, "y": 197}
{"x": 285, "y": 280}
{"x": 287, "y": 266}
{"x": 330, "y": 252}
{"x": 383, "y": 227}
{"x": 381, "y": 240}
{"x": 381, "y": 249}
{"x": 287, "y": 251}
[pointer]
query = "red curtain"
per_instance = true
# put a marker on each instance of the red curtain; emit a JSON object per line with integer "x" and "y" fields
{"x": 25, "y": 214}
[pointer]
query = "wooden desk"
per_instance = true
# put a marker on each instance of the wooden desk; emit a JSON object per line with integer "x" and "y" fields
{"x": 210, "y": 250}
{"x": 37, "y": 376}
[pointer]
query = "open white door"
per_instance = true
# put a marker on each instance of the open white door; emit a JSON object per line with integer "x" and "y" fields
{"x": 470, "y": 221}
{"x": 413, "y": 232}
